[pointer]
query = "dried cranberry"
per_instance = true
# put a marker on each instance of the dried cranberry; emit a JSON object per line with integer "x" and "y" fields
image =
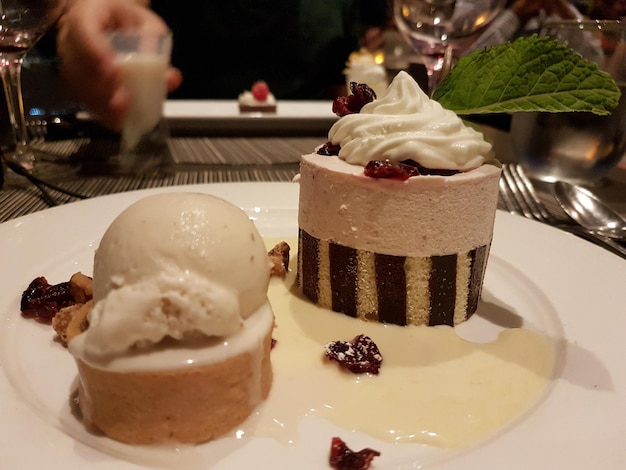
{"x": 343, "y": 458}
{"x": 42, "y": 300}
{"x": 361, "y": 355}
{"x": 352, "y": 104}
{"x": 341, "y": 106}
{"x": 362, "y": 93}
{"x": 328, "y": 149}
{"x": 386, "y": 169}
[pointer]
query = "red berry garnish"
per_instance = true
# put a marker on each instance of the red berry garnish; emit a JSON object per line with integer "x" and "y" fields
{"x": 260, "y": 90}
{"x": 42, "y": 300}
{"x": 362, "y": 93}
{"x": 352, "y": 104}
{"x": 386, "y": 169}
{"x": 343, "y": 458}
{"x": 328, "y": 149}
{"x": 361, "y": 355}
{"x": 341, "y": 106}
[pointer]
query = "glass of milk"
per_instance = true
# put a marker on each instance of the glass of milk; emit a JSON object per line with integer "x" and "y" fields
{"x": 144, "y": 58}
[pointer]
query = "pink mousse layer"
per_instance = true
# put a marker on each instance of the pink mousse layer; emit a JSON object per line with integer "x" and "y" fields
{"x": 422, "y": 216}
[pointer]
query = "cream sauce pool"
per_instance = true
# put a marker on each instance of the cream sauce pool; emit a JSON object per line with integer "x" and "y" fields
{"x": 434, "y": 387}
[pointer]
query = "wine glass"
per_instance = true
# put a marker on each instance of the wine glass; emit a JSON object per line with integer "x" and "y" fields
{"x": 22, "y": 24}
{"x": 439, "y": 29}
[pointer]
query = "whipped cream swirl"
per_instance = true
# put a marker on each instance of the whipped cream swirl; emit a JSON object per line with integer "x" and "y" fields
{"x": 404, "y": 124}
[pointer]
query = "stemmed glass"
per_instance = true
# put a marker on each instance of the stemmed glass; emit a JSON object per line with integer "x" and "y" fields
{"x": 438, "y": 29}
{"x": 22, "y": 24}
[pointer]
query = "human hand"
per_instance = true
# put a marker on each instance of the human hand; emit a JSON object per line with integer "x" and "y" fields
{"x": 87, "y": 63}
{"x": 373, "y": 38}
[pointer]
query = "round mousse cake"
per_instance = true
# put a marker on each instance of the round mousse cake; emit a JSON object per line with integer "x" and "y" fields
{"x": 401, "y": 250}
{"x": 177, "y": 347}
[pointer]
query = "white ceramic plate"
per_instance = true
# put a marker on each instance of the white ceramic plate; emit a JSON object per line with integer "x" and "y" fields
{"x": 212, "y": 116}
{"x": 565, "y": 287}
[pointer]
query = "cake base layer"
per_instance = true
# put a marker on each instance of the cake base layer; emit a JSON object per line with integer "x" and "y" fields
{"x": 190, "y": 405}
{"x": 435, "y": 290}
{"x": 247, "y": 108}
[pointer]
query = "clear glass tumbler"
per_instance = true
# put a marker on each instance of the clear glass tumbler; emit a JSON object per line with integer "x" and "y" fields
{"x": 578, "y": 147}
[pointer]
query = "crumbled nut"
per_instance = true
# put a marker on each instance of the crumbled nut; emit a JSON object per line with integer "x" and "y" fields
{"x": 81, "y": 287}
{"x": 80, "y": 321}
{"x": 61, "y": 321}
{"x": 71, "y": 321}
{"x": 279, "y": 257}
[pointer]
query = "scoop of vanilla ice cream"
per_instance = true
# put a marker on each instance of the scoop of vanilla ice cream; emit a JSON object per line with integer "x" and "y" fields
{"x": 175, "y": 265}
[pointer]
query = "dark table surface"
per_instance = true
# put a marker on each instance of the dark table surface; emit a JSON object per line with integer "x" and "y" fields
{"x": 88, "y": 166}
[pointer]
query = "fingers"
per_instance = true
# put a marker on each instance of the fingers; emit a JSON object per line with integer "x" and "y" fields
{"x": 174, "y": 79}
{"x": 87, "y": 60}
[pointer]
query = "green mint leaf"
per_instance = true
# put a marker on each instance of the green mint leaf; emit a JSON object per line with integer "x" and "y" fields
{"x": 529, "y": 74}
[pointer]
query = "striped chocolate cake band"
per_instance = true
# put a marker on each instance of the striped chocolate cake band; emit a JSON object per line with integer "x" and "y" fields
{"x": 436, "y": 290}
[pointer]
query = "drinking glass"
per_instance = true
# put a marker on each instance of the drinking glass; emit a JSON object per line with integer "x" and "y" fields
{"x": 438, "y": 29}
{"x": 579, "y": 147}
{"x": 143, "y": 57}
{"x": 22, "y": 24}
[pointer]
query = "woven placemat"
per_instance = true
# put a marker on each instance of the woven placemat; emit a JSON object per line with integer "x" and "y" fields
{"x": 84, "y": 166}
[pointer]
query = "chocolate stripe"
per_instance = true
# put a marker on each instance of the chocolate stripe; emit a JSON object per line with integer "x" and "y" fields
{"x": 479, "y": 258}
{"x": 442, "y": 285}
{"x": 341, "y": 279}
{"x": 299, "y": 267}
{"x": 343, "y": 275}
{"x": 391, "y": 288}
{"x": 310, "y": 265}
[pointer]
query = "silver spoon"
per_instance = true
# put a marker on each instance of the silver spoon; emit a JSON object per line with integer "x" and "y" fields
{"x": 585, "y": 208}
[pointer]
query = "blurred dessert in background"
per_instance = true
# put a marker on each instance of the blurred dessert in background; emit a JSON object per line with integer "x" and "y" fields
{"x": 178, "y": 340}
{"x": 364, "y": 66}
{"x": 259, "y": 99}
